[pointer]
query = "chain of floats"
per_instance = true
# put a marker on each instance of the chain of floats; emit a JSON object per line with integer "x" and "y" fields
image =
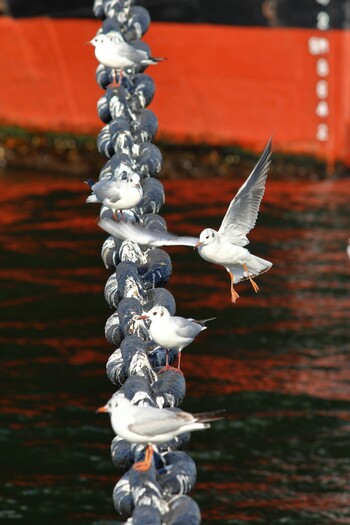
{"x": 157, "y": 496}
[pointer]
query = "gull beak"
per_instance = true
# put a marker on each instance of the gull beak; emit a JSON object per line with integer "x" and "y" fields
{"x": 196, "y": 246}
{"x": 88, "y": 42}
{"x": 102, "y": 409}
{"x": 142, "y": 317}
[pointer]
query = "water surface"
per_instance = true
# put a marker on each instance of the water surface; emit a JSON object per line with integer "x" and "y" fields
{"x": 278, "y": 359}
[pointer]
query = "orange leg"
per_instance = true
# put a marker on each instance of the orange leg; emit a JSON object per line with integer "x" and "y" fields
{"x": 116, "y": 216}
{"x": 114, "y": 80}
{"x": 253, "y": 283}
{"x": 234, "y": 294}
{"x": 179, "y": 361}
{"x": 168, "y": 367}
{"x": 142, "y": 466}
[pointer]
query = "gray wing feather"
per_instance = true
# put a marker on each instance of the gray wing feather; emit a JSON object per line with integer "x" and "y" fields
{"x": 243, "y": 210}
{"x": 187, "y": 327}
{"x": 154, "y": 421}
{"x": 135, "y": 55}
{"x": 107, "y": 189}
{"x": 140, "y": 235}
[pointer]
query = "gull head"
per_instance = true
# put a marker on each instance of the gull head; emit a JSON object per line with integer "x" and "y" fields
{"x": 134, "y": 180}
{"x": 206, "y": 237}
{"x": 99, "y": 39}
{"x": 114, "y": 403}
{"x": 156, "y": 313}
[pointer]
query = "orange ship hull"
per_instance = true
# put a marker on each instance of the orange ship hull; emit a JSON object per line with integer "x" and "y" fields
{"x": 220, "y": 85}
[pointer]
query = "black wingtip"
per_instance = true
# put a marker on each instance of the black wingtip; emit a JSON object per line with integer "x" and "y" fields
{"x": 203, "y": 321}
{"x": 268, "y": 146}
{"x": 265, "y": 157}
{"x": 214, "y": 415}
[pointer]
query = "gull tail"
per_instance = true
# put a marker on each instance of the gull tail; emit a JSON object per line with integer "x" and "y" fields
{"x": 257, "y": 265}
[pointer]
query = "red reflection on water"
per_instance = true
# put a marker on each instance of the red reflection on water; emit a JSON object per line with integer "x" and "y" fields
{"x": 277, "y": 498}
{"x": 38, "y": 480}
{"x": 309, "y": 279}
{"x": 289, "y": 374}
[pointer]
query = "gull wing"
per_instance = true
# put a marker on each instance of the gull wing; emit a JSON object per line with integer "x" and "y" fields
{"x": 124, "y": 50}
{"x": 154, "y": 421}
{"x": 187, "y": 327}
{"x": 107, "y": 190}
{"x": 141, "y": 235}
{"x": 243, "y": 210}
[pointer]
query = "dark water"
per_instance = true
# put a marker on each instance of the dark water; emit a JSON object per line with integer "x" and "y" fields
{"x": 279, "y": 359}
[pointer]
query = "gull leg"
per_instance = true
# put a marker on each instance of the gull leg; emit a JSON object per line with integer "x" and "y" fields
{"x": 116, "y": 216}
{"x": 234, "y": 294}
{"x": 114, "y": 80}
{"x": 179, "y": 361}
{"x": 168, "y": 367}
{"x": 142, "y": 466}
{"x": 253, "y": 283}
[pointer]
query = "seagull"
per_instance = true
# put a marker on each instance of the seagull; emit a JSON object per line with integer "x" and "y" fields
{"x": 170, "y": 331}
{"x": 118, "y": 54}
{"x": 120, "y": 194}
{"x": 150, "y": 426}
{"x": 225, "y": 246}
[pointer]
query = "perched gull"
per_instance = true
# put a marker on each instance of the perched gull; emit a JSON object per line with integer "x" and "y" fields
{"x": 171, "y": 331}
{"x": 118, "y": 54}
{"x": 150, "y": 426}
{"x": 225, "y": 246}
{"x": 120, "y": 194}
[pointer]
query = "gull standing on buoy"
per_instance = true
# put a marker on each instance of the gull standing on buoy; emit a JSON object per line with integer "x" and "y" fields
{"x": 172, "y": 331}
{"x": 118, "y": 195}
{"x": 225, "y": 246}
{"x": 117, "y": 54}
{"x": 150, "y": 425}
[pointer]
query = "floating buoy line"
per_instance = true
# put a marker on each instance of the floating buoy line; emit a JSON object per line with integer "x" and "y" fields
{"x": 159, "y": 494}
{"x": 150, "y": 428}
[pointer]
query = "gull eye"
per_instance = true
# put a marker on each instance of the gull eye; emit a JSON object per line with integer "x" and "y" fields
{"x": 123, "y": 175}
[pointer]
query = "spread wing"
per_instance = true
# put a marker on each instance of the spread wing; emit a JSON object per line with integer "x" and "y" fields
{"x": 154, "y": 421}
{"x": 243, "y": 210}
{"x": 141, "y": 235}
